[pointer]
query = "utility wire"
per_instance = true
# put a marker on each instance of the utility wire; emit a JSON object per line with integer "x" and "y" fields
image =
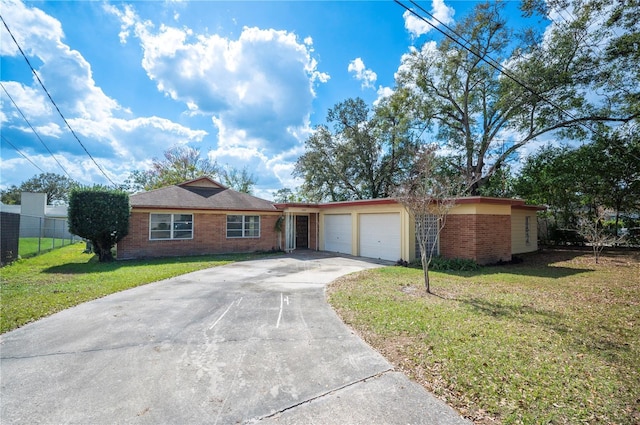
{"x": 54, "y": 103}
{"x": 492, "y": 63}
{"x": 33, "y": 129}
{"x": 25, "y": 156}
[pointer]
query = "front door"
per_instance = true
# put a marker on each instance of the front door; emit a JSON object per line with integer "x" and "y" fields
{"x": 302, "y": 231}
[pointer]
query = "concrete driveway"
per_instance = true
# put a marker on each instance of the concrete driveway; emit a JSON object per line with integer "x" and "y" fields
{"x": 250, "y": 342}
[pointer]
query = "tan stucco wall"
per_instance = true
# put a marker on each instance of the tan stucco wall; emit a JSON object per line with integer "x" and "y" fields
{"x": 519, "y": 243}
{"x": 484, "y": 209}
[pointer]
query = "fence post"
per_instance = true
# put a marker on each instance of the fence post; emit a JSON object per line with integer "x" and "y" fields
{"x": 39, "y": 235}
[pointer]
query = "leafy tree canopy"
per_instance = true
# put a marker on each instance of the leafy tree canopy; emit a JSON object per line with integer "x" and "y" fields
{"x": 287, "y": 195}
{"x": 463, "y": 98}
{"x": 603, "y": 173}
{"x": 239, "y": 180}
{"x": 362, "y": 155}
{"x": 179, "y": 164}
{"x": 56, "y": 186}
{"x": 183, "y": 163}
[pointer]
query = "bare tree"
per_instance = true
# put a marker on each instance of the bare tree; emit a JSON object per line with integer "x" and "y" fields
{"x": 591, "y": 227}
{"x": 429, "y": 195}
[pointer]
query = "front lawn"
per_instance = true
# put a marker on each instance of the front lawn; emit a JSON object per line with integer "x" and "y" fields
{"x": 555, "y": 339}
{"x": 39, "y": 286}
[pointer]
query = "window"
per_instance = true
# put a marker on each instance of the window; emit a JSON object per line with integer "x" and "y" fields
{"x": 171, "y": 226}
{"x": 526, "y": 229}
{"x": 243, "y": 226}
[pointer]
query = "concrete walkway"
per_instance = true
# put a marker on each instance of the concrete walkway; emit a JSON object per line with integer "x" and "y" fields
{"x": 250, "y": 342}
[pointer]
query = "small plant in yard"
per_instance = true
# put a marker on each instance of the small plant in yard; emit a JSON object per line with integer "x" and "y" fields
{"x": 428, "y": 195}
{"x": 592, "y": 228}
{"x": 552, "y": 339}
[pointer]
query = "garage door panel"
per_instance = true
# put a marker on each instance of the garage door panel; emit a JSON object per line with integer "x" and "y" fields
{"x": 380, "y": 236}
{"x": 337, "y": 233}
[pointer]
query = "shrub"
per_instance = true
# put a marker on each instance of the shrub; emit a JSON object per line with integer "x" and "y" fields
{"x": 449, "y": 264}
{"x": 101, "y": 216}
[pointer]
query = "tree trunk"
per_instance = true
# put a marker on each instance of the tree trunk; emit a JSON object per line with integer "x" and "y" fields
{"x": 104, "y": 253}
{"x": 425, "y": 271}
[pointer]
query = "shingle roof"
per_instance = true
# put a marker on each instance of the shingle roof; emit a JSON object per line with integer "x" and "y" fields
{"x": 200, "y": 194}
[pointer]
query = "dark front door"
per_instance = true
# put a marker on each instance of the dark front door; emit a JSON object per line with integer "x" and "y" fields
{"x": 302, "y": 231}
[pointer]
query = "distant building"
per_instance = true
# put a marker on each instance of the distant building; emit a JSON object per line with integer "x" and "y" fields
{"x": 37, "y": 219}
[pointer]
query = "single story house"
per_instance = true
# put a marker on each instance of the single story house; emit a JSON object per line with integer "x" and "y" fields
{"x": 198, "y": 217}
{"x": 203, "y": 217}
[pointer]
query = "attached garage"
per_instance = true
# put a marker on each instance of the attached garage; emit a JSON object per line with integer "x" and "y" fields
{"x": 337, "y": 233}
{"x": 380, "y": 236}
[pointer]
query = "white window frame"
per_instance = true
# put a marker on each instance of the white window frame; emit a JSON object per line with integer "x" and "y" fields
{"x": 245, "y": 227}
{"x": 172, "y": 227}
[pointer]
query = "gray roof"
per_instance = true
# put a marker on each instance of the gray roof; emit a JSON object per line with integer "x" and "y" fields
{"x": 192, "y": 195}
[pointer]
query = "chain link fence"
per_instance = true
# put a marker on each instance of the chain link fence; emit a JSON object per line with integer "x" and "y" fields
{"x": 42, "y": 234}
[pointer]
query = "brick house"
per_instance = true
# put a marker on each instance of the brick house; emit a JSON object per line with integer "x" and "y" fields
{"x": 195, "y": 218}
{"x": 203, "y": 217}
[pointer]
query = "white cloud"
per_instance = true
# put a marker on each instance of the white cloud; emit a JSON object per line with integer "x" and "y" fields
{"x": 257, "y": 86}
{"x": 440, "y": 11}
{"x": 31, "y": 101}
{"x": 383, "y": 93}
{"x": 360, "y": 71}
{"x": 117, "y": 141}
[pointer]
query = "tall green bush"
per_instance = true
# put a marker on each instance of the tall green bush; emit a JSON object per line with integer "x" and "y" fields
{"x": 100, "y": 215}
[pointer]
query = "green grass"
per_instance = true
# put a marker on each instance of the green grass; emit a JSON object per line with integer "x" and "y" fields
{"x": 39, "y": 286}
{"x": 28, "y": 247}
{"x": 551, "y": 340}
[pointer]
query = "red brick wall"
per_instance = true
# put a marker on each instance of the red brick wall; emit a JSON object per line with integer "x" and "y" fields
{"x": 485, "y": 238}
{"x": 313, "y": 231}
{"x": 209, "y": 237}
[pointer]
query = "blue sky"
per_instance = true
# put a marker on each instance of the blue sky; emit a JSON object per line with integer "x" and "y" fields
{"x": 244, "y": 82}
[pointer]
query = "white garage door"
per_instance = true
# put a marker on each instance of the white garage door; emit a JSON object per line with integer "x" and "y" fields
{"x": 337, "y": 233}
{"x": 380, "y": 236}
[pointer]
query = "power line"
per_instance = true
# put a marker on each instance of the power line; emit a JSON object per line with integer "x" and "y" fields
{"x": 494, "y": 64}
{"x": 25, "y": 156}
{"x": 34, "y": 130}
{"x": 54, "y": 103}
{"x": 485, "y": 58}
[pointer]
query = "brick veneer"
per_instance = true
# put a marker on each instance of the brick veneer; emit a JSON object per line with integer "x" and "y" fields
{"x": 484, "y": 238}
{"x": 313, "y": 231}
{"x": 209, "y": 237}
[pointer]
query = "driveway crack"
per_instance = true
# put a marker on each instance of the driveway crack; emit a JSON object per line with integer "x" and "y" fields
{"x": 319, "y": 396}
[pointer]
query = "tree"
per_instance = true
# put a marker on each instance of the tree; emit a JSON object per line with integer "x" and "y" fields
{"x": 591, "y": 227}
{"x": 240, "y": 180}
{"x": 285, "y": 195}
{"x": 611, "y": 31}
{"x": 100, "y": 215}
{"x": 551, "y": 177}
{"x": 472, "y": 107}
{"x": 603, "y": 173}
{"x": 56, "y": 187}
{"x": 362, "y": 156}
{"x": 499, "y": 184}
{"x": 611, "y": 165}
{"x": 428, "y": 195}
{"x": 180, "y": 164}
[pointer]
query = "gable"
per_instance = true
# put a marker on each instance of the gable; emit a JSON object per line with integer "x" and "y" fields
{"x": 202, "y": 182}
